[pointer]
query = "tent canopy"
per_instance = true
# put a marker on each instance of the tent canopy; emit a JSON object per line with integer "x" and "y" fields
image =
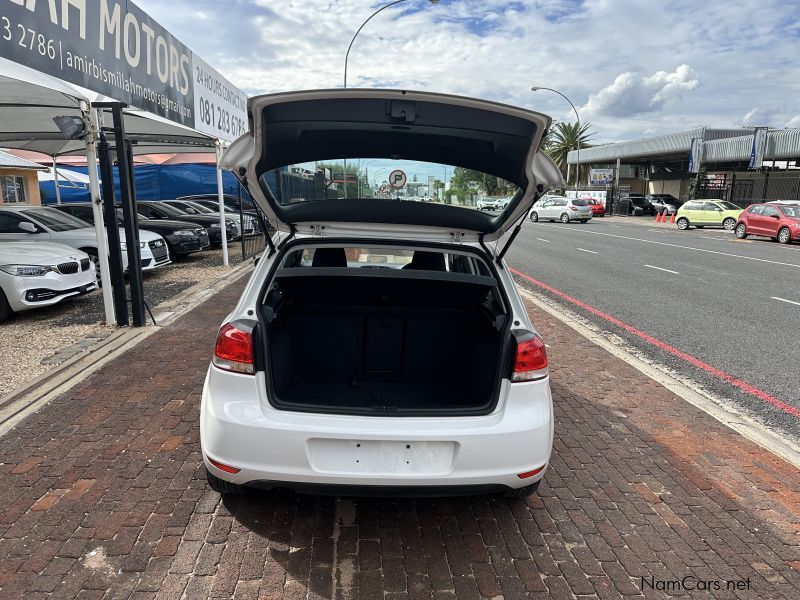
{"x": 29, "y": 100}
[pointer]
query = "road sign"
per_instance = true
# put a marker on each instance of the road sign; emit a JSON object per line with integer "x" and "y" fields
{"x": 397, "y": 179}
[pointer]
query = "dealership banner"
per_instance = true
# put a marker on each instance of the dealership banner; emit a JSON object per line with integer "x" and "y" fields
{"x": 114, "y": 48}
{"x": 695, "y": 155}
{"x": 758, "y": 148}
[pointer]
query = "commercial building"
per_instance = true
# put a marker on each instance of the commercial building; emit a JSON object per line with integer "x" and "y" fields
{"x": 18, "y": 181}
{"x": 661, "y": 165}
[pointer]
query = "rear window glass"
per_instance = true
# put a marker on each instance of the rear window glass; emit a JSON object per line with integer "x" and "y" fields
{"x": 385, "y": 258}
{"x": 392, "y": 179}
{"x": 580, "y": 202}
{"x": 729, "y": 206}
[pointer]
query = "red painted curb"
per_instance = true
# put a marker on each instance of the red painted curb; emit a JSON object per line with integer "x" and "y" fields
{"x": 696, "y": 362}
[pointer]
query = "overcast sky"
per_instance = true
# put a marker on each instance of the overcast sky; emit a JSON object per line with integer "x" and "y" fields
{"x": 632, "y": 67}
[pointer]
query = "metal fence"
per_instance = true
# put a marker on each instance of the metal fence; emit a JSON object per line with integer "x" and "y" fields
{"x": 763, "y": 188}
{"x": 287, "y": 188}
{"x": 255, "y": 227}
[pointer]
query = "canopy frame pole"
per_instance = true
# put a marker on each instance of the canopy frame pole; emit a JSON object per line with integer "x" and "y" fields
{"x": 97, "y": 210}
{"x": 221, "y": 199}
{"x": 55, "y": 180}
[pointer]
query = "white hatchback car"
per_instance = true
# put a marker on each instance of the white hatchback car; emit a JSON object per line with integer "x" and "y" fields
{"x": 35, "y": 274}
{"x": 381, "y": 346}
{"x": 552, "y": 208}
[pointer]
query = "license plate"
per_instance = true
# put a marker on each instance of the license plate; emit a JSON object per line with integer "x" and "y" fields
{"x": 380, "y": 457}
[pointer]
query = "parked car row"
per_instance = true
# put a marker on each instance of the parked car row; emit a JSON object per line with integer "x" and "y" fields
{"x": 49, "y": 253}
{"x": 650, "y": 204}
{"x": 492, "y": 203}
{"x": 779, "y": 220}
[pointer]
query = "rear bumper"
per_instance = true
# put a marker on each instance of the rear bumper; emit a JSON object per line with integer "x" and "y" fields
{"x": 393, "y": 491}
{"x": 274, "y": 448}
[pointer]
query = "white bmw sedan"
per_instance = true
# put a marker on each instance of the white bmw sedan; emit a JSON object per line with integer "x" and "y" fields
{"x": 35, "y": 274}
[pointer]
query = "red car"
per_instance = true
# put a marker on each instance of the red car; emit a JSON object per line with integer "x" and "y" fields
{"x": 598, "y": 210}
{"x": 778, "y": 220}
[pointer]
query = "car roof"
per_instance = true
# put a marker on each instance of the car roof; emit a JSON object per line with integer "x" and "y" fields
{"x": 17, "y": 207}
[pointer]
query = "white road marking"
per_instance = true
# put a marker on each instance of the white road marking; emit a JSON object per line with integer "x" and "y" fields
{"x": 662, "y": 269}
{"x": 542, "y": 240}
{"x": 785, "y": 300}
{"x": 585, "y": 250}
{"x": 625, "y": 237}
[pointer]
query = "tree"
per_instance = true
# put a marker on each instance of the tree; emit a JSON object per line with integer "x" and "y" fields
{"x": 470, "y": 179}
{"x": 563, "y": 138}
{"x": 698, "y": 184}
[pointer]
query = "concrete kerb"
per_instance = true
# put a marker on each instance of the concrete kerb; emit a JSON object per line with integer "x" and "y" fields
{"x": 719, "y": 408}
{"x": 33, "y": 395}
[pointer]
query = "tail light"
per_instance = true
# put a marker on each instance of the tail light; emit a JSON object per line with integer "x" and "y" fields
{"x": 234, "y": 349}
{"x": 572, "y": 208}
{"x": 530, "y": 362}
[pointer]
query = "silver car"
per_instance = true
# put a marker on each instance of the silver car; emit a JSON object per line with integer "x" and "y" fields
{"x": 558, "y": 208}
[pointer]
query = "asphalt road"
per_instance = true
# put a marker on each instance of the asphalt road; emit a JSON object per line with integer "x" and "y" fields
{"x": 732, "y": 304}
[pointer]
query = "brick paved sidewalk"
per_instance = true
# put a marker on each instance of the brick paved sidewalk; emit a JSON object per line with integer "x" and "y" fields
{"x": 104, "y": 496}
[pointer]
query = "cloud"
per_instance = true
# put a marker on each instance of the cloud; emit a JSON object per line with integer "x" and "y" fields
{"x": 605, "y": 55}
{"x": 794, "y": 121}
{"x": 631, "y": 94}
{"x": 759, "y": 116}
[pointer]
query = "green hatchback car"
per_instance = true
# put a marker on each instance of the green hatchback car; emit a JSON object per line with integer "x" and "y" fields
{"x": 708, "y": 213}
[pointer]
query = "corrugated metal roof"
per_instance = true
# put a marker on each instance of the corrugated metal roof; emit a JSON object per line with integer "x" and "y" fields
{"x": 672, "y": 143}
{"x": 781, "y": 144}
{"x": 11, "y": 161}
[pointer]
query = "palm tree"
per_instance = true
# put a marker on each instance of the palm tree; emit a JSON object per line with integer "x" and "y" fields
{"x": 564, "y": 137}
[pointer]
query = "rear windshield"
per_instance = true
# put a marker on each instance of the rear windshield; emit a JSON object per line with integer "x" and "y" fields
{"x": 580, "y": 202}
{"x": 385, "y": 258}
{"x": 401, "y": 180}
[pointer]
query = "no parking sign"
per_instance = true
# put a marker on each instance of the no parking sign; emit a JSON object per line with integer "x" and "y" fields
{"x": 397, "y": 179}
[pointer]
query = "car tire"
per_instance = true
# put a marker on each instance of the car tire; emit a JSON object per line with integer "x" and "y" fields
{"x": 564, "y": 218}
{"x": 683, "y": 224}
{"x": 226, "y": 488}
{"x": 534, "y": 217}
{"x": 5, "y": 308}
{"x": 729, "y": 224}
{"x": 740, "y": 231}
{"x": 784, "y": 235}
{"x": 522, "y": 492}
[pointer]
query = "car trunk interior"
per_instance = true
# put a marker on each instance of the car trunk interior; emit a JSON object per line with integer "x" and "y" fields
{"x": 389, "y": 341}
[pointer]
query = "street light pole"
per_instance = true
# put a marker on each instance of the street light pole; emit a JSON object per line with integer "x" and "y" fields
{"x": 578, "y": 119}
{"x": 347, "y": 56}
{"x": 367, "y": 20}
